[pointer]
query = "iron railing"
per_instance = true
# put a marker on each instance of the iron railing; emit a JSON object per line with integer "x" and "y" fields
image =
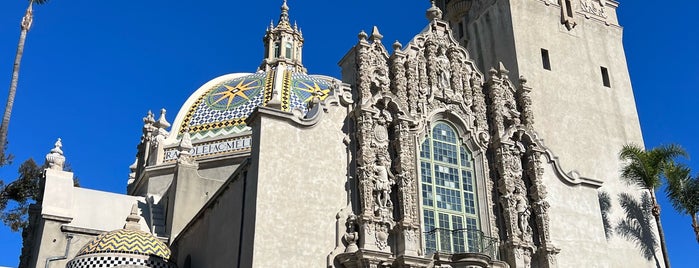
{"x": 461, "y": 241}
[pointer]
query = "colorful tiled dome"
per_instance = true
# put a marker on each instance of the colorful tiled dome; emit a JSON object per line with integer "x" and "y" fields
{"x": 126, "y": 241}
{"x": 222, "y": 105}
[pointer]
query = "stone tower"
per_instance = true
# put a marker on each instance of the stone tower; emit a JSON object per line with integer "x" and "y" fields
{"x": 571, "y": 53}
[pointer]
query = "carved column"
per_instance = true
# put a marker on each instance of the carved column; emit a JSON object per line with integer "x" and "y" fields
{"x": 497, "y": 104}
{"x": 399, "y": 83}
{"x": 479, "y": 107}
{"x": 363, "y": 59}
{"x": 524, "y": 101}
{"x": 413, "y": 84}
{"x": 408, "y": 228}
{"x": 546, "y": 253}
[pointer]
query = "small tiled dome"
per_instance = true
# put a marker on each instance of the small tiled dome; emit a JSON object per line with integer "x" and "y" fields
{"x": 128, "y": 247}
{"x": 127, "y": 241}
{"x": 221, "y": 106}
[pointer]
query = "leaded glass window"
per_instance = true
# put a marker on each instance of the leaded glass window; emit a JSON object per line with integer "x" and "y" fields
{"x": 449, "y": 203}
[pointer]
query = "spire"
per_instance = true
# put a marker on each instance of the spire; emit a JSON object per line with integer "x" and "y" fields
{"x": 283, "y": 44}
{"x": 133, "y": 219}
{"x": 284, "y": 16}
{"x": 55, "y": 158}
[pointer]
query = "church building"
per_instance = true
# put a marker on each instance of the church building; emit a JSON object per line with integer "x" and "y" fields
{"x": 485, "y": 141}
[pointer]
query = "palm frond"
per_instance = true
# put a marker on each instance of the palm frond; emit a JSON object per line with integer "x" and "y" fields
{"x": 39, "y": 2}
{"x": 645, "y": 167}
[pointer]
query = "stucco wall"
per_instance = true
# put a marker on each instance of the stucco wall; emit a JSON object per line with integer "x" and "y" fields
{"x": 212, "y": 239}
{"x": 301, "y": 175}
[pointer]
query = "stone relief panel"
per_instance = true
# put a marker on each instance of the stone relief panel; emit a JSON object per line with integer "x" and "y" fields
{"x": 593, "y": 7}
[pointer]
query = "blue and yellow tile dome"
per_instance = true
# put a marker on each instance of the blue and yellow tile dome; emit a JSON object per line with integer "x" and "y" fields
{"x": 126, "y": 241}
{"x": 222, "y": 105}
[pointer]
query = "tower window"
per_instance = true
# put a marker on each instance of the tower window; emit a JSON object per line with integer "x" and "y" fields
{"x": 448, "y": 190}
{"x": 605, "y": 77}
{"x": 287, "y": 51}
{"x": 569, "y": 8}
{"x": 545, "y": 59}
{"x": 277, "y": 50}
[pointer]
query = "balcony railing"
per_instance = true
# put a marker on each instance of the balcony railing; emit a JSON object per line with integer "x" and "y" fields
{"x": 461, "y": 241}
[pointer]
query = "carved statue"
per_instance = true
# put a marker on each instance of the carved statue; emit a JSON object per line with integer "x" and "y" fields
{"x": 383, "y": 181}
{"x": 352, "y": 236}
{"x": 443, "y": 72}
{"x": 380, "y": 79}
{"x": 523, "y": 212}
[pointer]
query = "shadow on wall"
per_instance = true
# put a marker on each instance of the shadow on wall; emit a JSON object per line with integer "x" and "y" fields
{"x": 605, "y": 203}
{"x": 637, "y": 225}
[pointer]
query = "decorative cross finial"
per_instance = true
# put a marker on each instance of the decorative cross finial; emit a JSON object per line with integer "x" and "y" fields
{"x": 55, "y": 158}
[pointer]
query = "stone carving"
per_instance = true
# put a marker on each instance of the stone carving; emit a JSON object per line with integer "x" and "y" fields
{"x": 413, "y": 83}
{"x": 382, "y": 236}
{"x": 398, "y": 97}
{"x": 184, "y": 150}
{"x": 523, "y": 212}
{"x": 589, "y": 6}
{"x": 524, "y": 101}
{"x": 383, "y": 181}
{"x": 478, "y": 107}
{"x": 443, "y": 70}
{"x": 55, "y": 158}
{"x": 352, "y": 236}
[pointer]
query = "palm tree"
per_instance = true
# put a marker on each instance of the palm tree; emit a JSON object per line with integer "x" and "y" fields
{"x": 645, "y": 169}
{"x": 24, "y": 29}
{"x": 683, "y": 192}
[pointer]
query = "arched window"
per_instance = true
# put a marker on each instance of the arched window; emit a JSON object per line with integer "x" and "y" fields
{"x": 449, "y": 202}
{"x": 287, "y": 52}
{"x": 277, "y": 50}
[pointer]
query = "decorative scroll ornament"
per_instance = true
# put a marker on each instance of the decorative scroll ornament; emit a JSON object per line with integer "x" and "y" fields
{"x": 593, "y": 7}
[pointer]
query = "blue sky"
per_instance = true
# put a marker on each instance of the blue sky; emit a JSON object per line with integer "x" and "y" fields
{"x": 92, "y": 69}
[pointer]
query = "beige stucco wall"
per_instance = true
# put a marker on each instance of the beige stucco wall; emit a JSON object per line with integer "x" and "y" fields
{"x": 582, "y": 121}
{"x": 300, "y": 183}
{"x": 212, "y": 239}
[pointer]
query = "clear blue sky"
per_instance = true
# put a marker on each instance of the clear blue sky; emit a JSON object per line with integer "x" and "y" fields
{"x": 92, "y": 69}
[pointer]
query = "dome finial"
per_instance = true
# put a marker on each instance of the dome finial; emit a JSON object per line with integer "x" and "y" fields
{"x": 162, "y": 121}
{"x": 284, "y": 17}
{"x": 133, "y": 219}
{"x": 433, "y": 12}
{"x": 55, "y": 158}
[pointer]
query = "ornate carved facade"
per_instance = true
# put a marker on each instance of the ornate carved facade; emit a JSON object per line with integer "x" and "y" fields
{"x": 423, "y": 160}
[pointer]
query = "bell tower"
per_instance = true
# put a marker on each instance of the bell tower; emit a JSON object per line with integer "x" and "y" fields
{"x": 570, "y": 53}
{"x": 283, "y": 44}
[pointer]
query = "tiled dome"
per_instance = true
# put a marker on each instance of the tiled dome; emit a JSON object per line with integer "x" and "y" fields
{"x": 222, "y": 105}
{"x": 126, "y": 241}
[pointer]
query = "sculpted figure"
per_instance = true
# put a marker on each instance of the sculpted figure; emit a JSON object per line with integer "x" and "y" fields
{"x": 442, "y": 63}
{"x": 383, "y": 181}
{"x": 523, "y": 211}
